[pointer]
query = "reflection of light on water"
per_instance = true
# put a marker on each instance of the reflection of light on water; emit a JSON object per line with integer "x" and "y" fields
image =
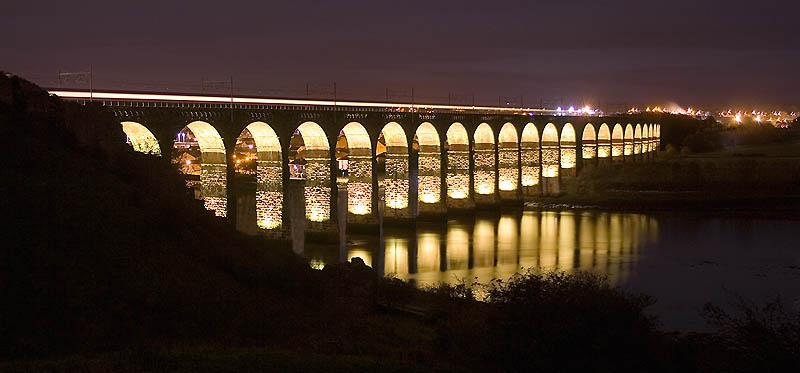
{"x": 428, "y": 252}
{"x": 604, "y": 243}
{"x": 586, "y": 244}
{"x": 549, "y": 247}
{"x": 396, "y": 258}
{"x": 601, "y": 243}
{"x": 566, "y": 242}
{"x": 457, "y": 247}
{"x": 529, "y": 240}
{"x": 483, "y": 243}
{"x": 507, "y": 236}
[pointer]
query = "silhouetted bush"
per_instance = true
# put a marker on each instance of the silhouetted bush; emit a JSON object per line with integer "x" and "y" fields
{"x": 552, "y": 321}
{"x": 753, "y": 338}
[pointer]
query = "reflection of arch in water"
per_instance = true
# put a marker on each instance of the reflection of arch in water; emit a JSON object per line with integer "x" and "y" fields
{"x": 396, "y": 257}
{"x": 568, "y": 144}
{"x": 548, "y": 248}
{"x": 212, "y": 172}
{"x": 550, "y": 151}
{"x": 483, "y": 243}
{"x": 484, "y": 174}
{"x": 617, "y": 141}
{"x": 429, "y": 182}
{"x": 587, "y": 246}
{"x": 566, "y": 241}
{"x": 354, "y": 153}
{"x": 394, "y": 145}
{"x": 508, "y": 154}
{"x": 309, "y": 147}
{"x": 140, "y": 138}
{"x": 428, "y": 253}
{"x": 507, "y": 241}
{"x": 588, "y": 142}
{"x": 268, "y": 172}
{"x": 628, "y": 144}
{"x": 457, "y": 162}
{"x": 529, "y": 239}
{"x": 603, "y": 141}
{"x": 457, "y": 247}
{"x": 637, "y": 139}
{"x": 529, "y": 155}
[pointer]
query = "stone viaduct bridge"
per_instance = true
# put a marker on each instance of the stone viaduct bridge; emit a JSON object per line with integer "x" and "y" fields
{"x": 284, "y": 167}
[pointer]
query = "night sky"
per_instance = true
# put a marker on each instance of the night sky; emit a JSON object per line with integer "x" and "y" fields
{"x": 714, "y": 54}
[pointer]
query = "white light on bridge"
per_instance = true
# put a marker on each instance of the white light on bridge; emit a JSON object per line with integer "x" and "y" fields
{"x": 161, "y": 97}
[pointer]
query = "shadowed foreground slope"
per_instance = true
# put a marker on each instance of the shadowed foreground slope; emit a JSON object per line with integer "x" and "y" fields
{"x": 104, "y": 248}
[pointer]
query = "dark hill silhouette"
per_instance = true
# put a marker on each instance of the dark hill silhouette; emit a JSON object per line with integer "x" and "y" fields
{"x": 103, "y": 247}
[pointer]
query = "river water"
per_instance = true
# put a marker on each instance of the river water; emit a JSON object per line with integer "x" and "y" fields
{"x": 682, "y": 260}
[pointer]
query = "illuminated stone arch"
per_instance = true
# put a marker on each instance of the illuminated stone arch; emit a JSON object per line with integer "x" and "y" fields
{"x": 550, "y": 151}
{"x": 429, "y": 179}
{"x": 529, "y": 155}
{"x": 628, "y": 148}
{"x": 200, "y": 154}
{"x": 568, "y": 144}
{"x": 309, "y": 160}
{"x": 484, "y": 174}
{"x": 603, "y": 141}
{"x": 457, "y": 162}
{"x": 508, "y": 154}
{"x": 657, "y": 136}
{"x": 392, "y": 153}
{"x": 650, "y": 140}
{"x": 637, "y": 139}
{"x": 354, "y": 156}
{"x": 617, "y": 141}
{"x": 645, "y": 139}
{"x": 140, "y": 138}
{"x": 258, "y": 153}
{"x": 589, "y": 142}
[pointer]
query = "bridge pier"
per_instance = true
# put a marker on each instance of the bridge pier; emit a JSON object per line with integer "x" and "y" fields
{"x": 551, "y": 186}
{"x": 532, "y": 192}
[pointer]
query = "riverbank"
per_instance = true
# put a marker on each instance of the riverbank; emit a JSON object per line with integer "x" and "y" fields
{"x": 761, "y": 180}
